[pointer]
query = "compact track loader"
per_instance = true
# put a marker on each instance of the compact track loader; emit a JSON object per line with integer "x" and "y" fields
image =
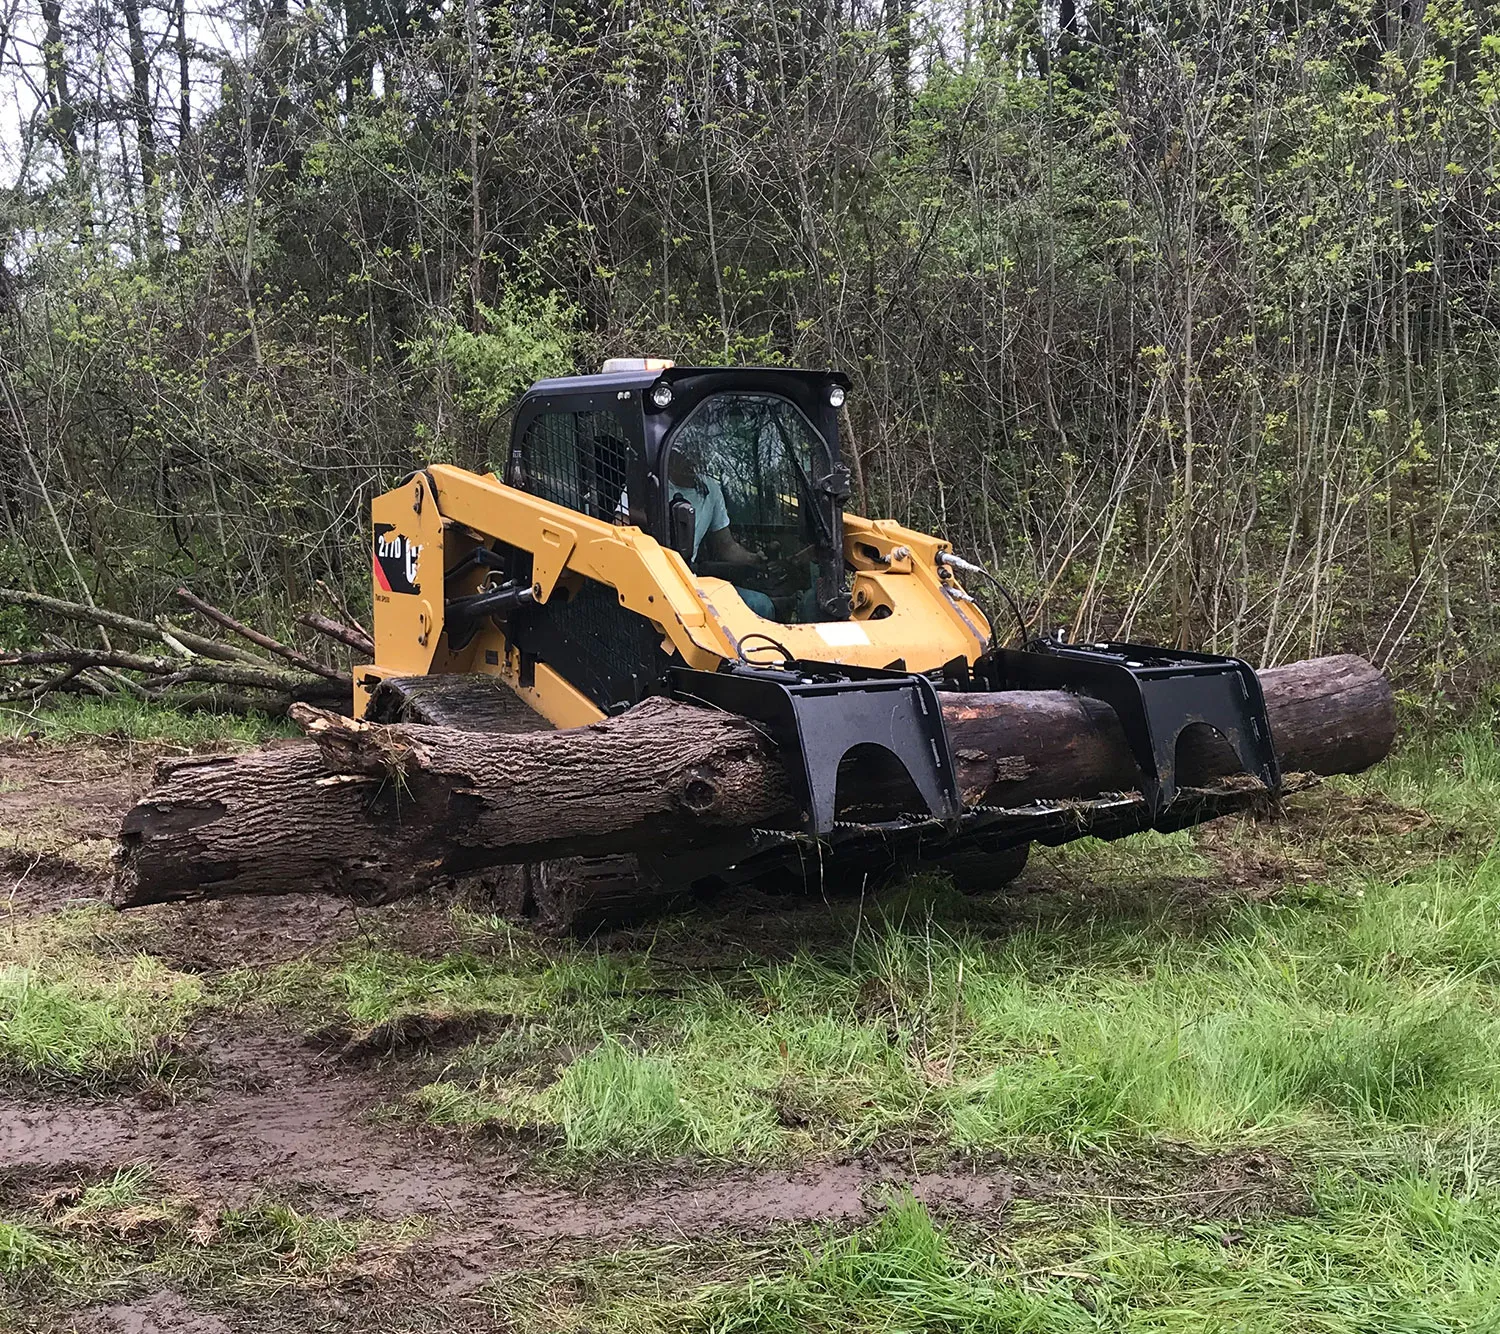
{"x": 681, "y": 531}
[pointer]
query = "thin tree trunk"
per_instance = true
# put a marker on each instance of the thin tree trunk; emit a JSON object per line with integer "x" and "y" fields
{"x": 140, "y": 105}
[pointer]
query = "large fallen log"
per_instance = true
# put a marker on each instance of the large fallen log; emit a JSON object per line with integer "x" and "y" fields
{"x": 377, "y": 812}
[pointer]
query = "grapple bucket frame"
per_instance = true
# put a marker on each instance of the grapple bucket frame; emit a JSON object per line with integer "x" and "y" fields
{"x": 1157, "y": 694}
{"x": 815, "y": 714}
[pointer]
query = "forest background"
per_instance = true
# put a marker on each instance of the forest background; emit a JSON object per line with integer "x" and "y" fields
{"x": 1180, "y": 318}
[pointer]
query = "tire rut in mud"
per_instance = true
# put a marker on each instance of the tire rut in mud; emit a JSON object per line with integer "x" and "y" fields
{"x": 282, "y": 1120}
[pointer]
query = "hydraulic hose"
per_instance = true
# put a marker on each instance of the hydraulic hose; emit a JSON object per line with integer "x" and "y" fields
{"x": 968, "y": 567}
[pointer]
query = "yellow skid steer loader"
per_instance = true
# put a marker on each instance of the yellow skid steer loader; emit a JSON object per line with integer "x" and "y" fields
{"x": 682, "y": 531}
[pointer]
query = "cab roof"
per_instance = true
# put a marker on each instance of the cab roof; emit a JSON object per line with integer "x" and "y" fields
{"x": 644, "y": 379}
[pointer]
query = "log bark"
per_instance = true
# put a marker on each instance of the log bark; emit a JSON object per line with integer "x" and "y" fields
{"x": 377, "y": 812}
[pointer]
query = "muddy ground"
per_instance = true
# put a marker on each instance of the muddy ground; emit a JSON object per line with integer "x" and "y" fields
{"x": 282, "y": 1113}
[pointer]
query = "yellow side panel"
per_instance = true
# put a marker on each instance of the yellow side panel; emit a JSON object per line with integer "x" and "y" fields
{"x": 904, "y": 606}
{"x": 556, "y": 699}
{"x": 704, "y": 619}
{"x": 407, "y": 563}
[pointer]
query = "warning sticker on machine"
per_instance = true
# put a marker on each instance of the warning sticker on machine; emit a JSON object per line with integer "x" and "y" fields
{"x": 843, "y": 634}
{"x": 395, "y": 560}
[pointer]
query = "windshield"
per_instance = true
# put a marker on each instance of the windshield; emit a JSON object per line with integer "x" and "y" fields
{"x": 749, "y": 464}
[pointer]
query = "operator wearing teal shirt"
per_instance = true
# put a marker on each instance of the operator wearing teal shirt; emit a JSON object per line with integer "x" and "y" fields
{"x": 711, "y": 535}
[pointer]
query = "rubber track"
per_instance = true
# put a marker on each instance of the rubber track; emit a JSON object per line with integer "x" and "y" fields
{"x": 472, "y": 701}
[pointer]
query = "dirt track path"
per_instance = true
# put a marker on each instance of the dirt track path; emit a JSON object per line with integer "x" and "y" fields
{"x": 305, "y": 1128}
{"x": 304, "y": 1131}
{"x": 279, "y": 1118}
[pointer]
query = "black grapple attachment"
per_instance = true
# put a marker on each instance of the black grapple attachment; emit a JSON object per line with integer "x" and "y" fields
{"x": 818, "y": 715}
{"x": 843, "y": 734}
{"x": 1157, "y": 694}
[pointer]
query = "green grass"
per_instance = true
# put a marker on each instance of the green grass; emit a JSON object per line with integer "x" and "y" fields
{"x": 130, "y": 1230}
{"x": 102, "y": 1031}
{"x": 24, "y": 1251}
{"x": 1412, "y": 1253}
{"x": 1406, "y": 1254}
{"x": 81, "y": 1003}
{"x": 1452, "y": 774}
{"x": 84, "y": 717}
{"x": 130, "y": 1187}
{"x": 899, "y": 1274}
{"x": 272, "y": 1238}
{"x": 1351, "y": 1010}
{"x": 1163, "y": 856}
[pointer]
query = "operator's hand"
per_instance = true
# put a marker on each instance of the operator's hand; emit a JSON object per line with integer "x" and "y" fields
{"x": 727, "y": 549}
{"x": 779, "y": 571}
{"x": 752, "y": 557}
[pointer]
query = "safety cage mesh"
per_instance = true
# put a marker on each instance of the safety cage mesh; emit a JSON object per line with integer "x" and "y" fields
{"x": 577, "y": 459}
{"x": 610, "y": 653}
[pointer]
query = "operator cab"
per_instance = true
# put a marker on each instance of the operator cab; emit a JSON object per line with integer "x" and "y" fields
{"x": 735, "y": 469}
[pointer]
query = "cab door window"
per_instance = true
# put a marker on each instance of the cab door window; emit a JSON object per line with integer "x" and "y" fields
{"x": 577, "y": 459}
{"x": 752, "y": 462}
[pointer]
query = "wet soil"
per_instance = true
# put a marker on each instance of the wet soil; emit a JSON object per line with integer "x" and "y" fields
{"x": 279, "y": 1116}
{"x": 161, "y": 1312}
{"x": 281, "y": 1120}
{"x": 301, "y": 1130}
{"x": 59, "y": 810}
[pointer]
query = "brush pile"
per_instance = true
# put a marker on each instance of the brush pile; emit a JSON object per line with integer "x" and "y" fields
{"x": 232, "y": 667}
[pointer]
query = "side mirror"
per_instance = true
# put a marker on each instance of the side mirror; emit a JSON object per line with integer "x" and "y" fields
{"x": 682, "y": 519}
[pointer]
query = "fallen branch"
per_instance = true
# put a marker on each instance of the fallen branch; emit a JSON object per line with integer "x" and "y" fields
{"x": 262, "y": 682}
{"x": 159, "y": 632}
{"x": 348, "y": 635}
{"x": 338, "y": 604}
{"x": 61, "y": 680}
{"x": 176, "y": 669}
{"x": 255, "y": 637}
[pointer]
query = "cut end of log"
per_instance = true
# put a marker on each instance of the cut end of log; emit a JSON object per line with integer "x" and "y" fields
{"x": 1334, "y": 715}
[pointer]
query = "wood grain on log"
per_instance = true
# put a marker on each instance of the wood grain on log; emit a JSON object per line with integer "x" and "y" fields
{"x": 378, "y": 812}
